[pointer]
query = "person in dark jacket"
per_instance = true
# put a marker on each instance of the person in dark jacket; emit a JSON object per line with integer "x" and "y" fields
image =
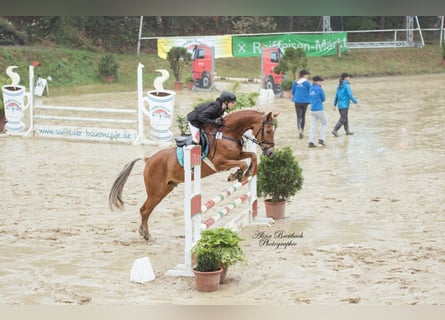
{"x": 209, "y": 113}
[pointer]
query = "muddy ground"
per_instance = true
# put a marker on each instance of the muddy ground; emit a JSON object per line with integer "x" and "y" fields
{"x": 371, "y": 211}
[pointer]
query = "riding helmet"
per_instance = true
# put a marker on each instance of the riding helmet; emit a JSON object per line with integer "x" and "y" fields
{"x": 227, "y": 96}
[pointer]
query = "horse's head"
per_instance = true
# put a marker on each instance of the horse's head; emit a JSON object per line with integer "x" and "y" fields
{"x": 265, "y": 134}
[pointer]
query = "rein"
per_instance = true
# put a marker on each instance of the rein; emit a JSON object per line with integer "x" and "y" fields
{"x": 263, "y": 144}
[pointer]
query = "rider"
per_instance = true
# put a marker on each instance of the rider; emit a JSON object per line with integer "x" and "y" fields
{"x": 209, "y": 113}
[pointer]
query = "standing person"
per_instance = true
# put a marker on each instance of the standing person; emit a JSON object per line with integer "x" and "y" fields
{"x": 317, "y": 96}
{"x": 300, "y": 96}
{"x": 343, "y": 96}
{"x": 209, "y": 113}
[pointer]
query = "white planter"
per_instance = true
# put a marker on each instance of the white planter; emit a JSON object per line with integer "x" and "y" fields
{"x": 14, "y": 102}
{"x": 161, "y": 109}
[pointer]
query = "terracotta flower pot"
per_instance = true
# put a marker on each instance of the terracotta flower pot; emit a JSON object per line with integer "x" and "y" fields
{"x": 287, "y": 94}
{"x": 109, "y": 78}
{"x": 178, "y": 85}
{"x": 275, "y": 210}
{"x": 207, "y": 281}
{"x": 223, "y": 274}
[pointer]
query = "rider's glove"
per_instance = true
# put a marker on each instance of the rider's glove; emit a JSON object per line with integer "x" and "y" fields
{"x": 219, "y": 122}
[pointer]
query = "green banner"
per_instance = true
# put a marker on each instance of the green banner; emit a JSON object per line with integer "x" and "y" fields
{"x": 314, "y": 45}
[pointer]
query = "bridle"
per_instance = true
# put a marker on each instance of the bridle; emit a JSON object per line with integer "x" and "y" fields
{"x": 262, "y": 143}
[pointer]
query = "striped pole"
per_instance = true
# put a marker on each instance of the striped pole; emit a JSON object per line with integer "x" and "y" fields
{"x": 193, "y": 208}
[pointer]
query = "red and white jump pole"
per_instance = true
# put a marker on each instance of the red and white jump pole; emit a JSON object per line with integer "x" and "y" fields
{"x": 193, "y": 208}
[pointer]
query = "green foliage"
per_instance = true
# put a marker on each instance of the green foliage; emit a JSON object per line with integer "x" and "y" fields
{"x": 9, "y": 35}
{"x": 108, "y": 65}
{"x": 443, "y": 50}
{"x": 293, "y": 60}
{"x": 207, "y": 261}
{"x": 183, "y": 126}
{"x": 223, "y": 242}
{"x": 178, "y": 57}
{"x": 118, "y": 34}
{"x": 286, "y": 85}
{"x": 280, "y": 176}
{"x": 75, "y": 71}
{"x": 245, "y": 100}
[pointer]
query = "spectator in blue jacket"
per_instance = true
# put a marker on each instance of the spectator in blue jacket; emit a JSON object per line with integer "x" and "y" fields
{"x": 342, "y": 99}
{"x": 300, "y": 96}
{"x": 317, "y": 96}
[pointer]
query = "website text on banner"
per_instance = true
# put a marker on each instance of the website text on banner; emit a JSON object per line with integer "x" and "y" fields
{"x": 222, "y": 44}
{"x": 314, "y": 45}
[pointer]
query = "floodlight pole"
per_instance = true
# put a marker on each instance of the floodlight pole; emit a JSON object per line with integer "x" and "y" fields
{"x": 140, "y": 34}
{"x": 327, "y": 24}
{"x": 441, "y": 31}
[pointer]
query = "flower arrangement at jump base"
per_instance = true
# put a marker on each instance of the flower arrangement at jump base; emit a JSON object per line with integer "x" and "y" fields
{"x": 216, "y": 250}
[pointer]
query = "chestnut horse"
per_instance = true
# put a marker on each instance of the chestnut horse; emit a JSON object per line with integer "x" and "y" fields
{"x": 162, "y": 172}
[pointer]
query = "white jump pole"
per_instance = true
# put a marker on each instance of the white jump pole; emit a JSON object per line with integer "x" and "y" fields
{"x": 140, "y": 138}
{"x": 31, "y": 101}
{"x": 192, "y": 208}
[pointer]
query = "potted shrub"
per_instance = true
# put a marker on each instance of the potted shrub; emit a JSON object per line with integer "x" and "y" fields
{"x": 183, "y": 126}
{"x": 178, "y": 57}
{"x": 286, "y": 87}
{"x": 207, "y": 270}
{"x": 108, "y": 68}
{"x": 189, "y": 82}
{"x": 293, "y": 60}
{"x": 279, "y": 177}
{"x": 223, "y": 241}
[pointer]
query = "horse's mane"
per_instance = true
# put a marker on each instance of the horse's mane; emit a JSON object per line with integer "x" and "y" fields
{"x": 244, "y": 110}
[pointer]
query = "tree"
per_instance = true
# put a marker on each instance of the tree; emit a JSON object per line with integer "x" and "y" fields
{"x": 292, "y": 60}
{"x": 178, "y": 58}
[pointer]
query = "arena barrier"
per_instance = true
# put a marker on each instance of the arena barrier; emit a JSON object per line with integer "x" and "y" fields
{"x": 194, "y": 209}
{"x": 108, "y": 124}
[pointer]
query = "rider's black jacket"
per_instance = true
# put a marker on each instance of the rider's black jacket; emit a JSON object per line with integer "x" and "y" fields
{"x": 205, "y": 113}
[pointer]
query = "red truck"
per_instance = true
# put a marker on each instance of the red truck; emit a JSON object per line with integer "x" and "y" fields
{"x": 203, "y": 65}
{"x": 270, "y": 58}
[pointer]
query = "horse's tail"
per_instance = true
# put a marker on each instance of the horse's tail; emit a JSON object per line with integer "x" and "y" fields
{"x": 115, "y": 197}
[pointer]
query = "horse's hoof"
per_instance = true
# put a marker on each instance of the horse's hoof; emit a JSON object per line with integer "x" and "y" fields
{"x": 144, "y": 233}
{"x": 237, "y": 175}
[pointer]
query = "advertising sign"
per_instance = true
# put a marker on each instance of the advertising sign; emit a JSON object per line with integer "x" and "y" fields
{"x": 313, "y": 44}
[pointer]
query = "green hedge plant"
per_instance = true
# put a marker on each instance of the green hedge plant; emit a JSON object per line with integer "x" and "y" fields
{"x": 108, "y": 66}
{"x": 279, "y": 177}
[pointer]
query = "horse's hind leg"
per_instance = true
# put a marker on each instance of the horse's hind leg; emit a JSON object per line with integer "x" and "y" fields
{"x": 155, "y": 195}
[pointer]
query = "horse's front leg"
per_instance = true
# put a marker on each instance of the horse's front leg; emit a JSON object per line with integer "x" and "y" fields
{"x": 252, "y": 169}
{"x": 244, "y": 171}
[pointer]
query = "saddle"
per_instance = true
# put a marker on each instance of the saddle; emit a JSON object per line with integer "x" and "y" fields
{"x": 183, "y": 141}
